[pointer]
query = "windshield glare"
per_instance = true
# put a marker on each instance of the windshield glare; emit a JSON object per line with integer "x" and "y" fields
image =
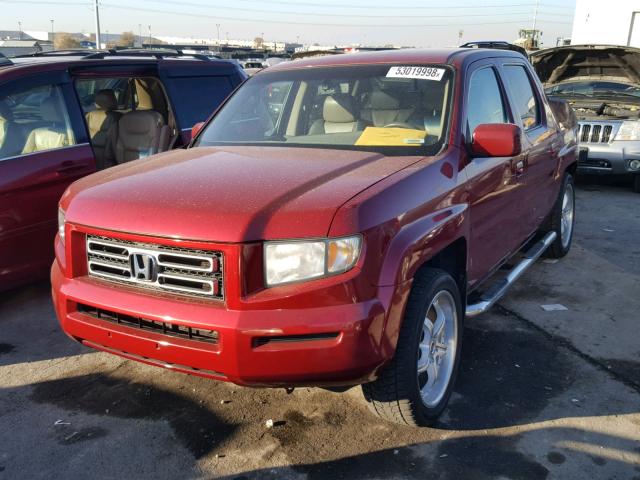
{"x": 395, "y": 110}
{"x": 594, "y": 89}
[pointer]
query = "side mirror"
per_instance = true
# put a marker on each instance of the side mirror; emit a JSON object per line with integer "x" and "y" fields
{"x": 496, "y": 140}
{"x": 196, "y": 129}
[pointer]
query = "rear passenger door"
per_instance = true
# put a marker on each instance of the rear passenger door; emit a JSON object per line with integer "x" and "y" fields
{"x": 45, "y": 149}
{"x": 196, "y": 91}
{"x": 539, "y": 133}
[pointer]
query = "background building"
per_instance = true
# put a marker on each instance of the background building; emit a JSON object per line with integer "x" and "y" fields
{"x": 615, "y": 22}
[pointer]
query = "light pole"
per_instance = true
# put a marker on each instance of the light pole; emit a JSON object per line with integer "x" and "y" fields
{"x": 19, "y": 30}
{"x": 140, "y": 34}
{"x": 149, "y": 33}
{"x": 52, "y": 34}
{"x": 97, "y": 12}
{"x": 218, "y": 27}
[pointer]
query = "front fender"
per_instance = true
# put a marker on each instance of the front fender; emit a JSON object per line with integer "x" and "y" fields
{"x": 417, "y": 242}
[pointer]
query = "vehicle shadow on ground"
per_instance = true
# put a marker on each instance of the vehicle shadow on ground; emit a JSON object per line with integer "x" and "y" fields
{"x": 29, "y": 329}
{"x": 473, "y": 457}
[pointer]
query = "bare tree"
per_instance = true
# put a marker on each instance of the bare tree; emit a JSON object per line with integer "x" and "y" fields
{"x": 127, "y": 39}
{"x": 63, "y": 41}
{"x": 258, "y": 42}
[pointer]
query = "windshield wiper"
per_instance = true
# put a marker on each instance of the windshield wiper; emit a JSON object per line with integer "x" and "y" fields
{"x": 616, "y": 93}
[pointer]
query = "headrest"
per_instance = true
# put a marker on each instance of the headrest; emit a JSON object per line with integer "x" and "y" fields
{"x": 50, "y": 111}
{"x": 433, "y": 96}
{"x": 383, "y": 101}
{"x": 339, "y": 109}
{"x": 140, "y": 122}
{"x": 106, "y": 100}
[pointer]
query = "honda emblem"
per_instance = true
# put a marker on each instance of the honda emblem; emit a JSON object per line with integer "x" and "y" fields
{"x": 143, "y": 267}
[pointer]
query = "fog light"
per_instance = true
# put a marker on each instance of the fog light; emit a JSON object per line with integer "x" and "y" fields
{"x": 634, "y": 164}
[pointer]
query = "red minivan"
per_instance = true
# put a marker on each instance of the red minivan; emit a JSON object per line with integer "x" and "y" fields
{"x": 65, "y": 116}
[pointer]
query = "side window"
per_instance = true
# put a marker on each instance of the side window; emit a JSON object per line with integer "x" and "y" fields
{"x": 34, "y": 120}
{"x": 485, "y": 103}
{"x": 525, "y": 101}
{"x": 195, "y": 98}
{"x": 87, "y": 89}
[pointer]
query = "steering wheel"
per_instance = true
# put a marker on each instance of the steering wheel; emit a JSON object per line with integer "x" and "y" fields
{"x": 400, "y": 125}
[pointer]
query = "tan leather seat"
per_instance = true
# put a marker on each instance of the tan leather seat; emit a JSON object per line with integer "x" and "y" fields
{"x": 12, "y": 135}
{"x": 385, "y": 109}
{"x": 103, "y": 128}
{"x": 339, "y": 115}
{"x": 53, "y": 136}
{"x": 141, "y": 133}
{"x": 5, "y": 119}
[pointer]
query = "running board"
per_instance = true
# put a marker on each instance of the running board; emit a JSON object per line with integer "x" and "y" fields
{"x": 498, "y": 289}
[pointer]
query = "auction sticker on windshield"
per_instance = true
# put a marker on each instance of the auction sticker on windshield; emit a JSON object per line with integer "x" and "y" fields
{"x": 417, "y": 72}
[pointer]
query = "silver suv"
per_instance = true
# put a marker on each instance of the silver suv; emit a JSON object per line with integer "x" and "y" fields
{"x": 602, "y": 85}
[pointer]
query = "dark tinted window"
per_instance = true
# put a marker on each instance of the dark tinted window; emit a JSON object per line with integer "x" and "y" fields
{"x": 195, "y": 98}
{"x": 485, "y": 100}
{"x": 526, "y": 103}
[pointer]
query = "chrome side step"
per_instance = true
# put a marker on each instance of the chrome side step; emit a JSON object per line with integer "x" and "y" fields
{"x": 498, "y": 289}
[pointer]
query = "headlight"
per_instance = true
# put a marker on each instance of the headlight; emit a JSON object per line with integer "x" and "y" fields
{"x": 629, "y": 130}
{"x": 61, "y": 222}
{"x": 287, "y": 262}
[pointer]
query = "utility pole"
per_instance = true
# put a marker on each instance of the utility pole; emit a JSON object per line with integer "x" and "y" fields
{"x": 535, "y": 18}
{"x": 97, "y": 12}
{"x": 52, "y": 34}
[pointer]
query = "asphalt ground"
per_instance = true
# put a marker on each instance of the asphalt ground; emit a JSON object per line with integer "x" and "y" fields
{"x": 540, "y": 394}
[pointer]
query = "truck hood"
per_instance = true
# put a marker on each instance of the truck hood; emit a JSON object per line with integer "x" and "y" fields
{"x": 596, "y": 62}
{"x": 230, "y": 194}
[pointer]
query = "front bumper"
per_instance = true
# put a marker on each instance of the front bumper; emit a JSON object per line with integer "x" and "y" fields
{"x": 321, "y": 345}
{"x": 608, "y": 158}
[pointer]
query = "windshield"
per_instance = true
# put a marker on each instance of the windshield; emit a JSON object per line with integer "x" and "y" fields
{"x": 394, "y": 110}
{"x": 595, "y": 89}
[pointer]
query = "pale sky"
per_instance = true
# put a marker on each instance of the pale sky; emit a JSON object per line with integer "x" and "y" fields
{"x": 371, "y": 22}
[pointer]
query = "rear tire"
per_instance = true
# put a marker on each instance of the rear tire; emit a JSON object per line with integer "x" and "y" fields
{"x": 562, "y": 219}
{"x": 414, "y": 388}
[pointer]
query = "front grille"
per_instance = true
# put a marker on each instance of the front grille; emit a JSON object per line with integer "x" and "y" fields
{"x": 176, "y": 270}
{"x": 170, "y": 329}
{"x": 595, "y": 132}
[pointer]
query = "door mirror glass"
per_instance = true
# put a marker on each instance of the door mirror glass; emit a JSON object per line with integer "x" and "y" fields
{"x": 496, "y": 140}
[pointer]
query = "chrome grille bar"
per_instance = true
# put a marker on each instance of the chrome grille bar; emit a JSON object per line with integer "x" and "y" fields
{"x": 597, "y": 132}
{"x": 175, "y": 270}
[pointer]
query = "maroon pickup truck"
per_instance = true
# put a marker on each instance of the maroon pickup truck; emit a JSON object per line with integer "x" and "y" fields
{"x": 332, "y": 224}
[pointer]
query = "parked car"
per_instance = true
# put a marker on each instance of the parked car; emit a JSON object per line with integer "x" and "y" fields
{"x": 602, "y": 84}
{"x": 338, "y": 241}
{"x": 64, "y": 115}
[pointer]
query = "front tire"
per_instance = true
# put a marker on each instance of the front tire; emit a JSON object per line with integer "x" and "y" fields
{"x": 414, "y": 388}
{"x": 562, "y": 219}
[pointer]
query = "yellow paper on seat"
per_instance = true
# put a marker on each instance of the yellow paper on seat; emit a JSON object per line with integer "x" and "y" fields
{"x": 391, "y": 137}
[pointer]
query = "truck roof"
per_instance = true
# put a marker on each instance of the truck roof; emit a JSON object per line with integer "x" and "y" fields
{"x": 404, "y": 56}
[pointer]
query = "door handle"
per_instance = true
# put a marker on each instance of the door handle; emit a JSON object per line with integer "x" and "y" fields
{"x": 68, "y": 168}
{"x": 519, "y": 166}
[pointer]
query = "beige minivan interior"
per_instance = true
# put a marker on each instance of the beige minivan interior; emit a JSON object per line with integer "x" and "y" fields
{"x": 127, "y": 118}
